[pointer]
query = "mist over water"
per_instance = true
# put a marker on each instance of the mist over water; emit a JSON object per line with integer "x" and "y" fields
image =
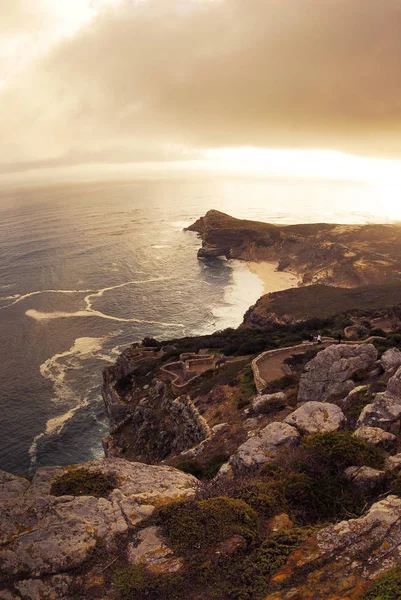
{"x": 85, "y": 270}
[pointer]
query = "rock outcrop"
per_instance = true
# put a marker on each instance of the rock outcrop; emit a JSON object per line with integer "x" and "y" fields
{"x": 264, "y": 447}
{"x": 341, "y": 559}
{"x": 263, "y": 403}
{"x": 340, "y": 255}
{"x": 385, "y": 410}
{"x": 314, "y": 417}
{"x": 330, "y": 374}
{"x": 43, "y": 535}
{"x": 391, "y": 359}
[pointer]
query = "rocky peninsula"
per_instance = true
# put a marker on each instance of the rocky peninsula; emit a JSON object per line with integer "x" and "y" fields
{"x": 248, "y": 464}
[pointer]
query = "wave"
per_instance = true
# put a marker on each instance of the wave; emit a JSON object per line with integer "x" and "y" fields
{"x": 55, "y": 369}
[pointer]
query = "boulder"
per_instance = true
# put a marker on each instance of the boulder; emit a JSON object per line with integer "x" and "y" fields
{"x": 265, "y": 402}
{"x": 313, "y": 417}
{"x": 264, "y": 447}
{"x": 340, "y": 561}
{"x": 376, "y": 437}
{"x": 386, "y": 407}
{"x": 393, "y": 463}
{"x": 329, "y": 375}
{"x": 153, "y": 552}
{"x": 45, "y": 535}
{"x": 365, "y": 478}
{"x": 354, "y": 398}
{"x": 391, "y": 359}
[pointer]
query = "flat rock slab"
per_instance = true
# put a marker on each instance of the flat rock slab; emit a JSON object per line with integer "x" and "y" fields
{"x": 44, "y": 535}
{"x": 264, "y": 447}
{"x": 314, "y": 417}
{"x": 329, "y": 375}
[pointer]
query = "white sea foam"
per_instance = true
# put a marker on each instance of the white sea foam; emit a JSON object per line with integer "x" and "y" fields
{"x": 55, "y": 369}
{"x": 160, "y": 246}
{"x": 88, "y": 311}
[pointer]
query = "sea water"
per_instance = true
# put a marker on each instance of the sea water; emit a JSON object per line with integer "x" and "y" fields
{"x": 87, "y": 269}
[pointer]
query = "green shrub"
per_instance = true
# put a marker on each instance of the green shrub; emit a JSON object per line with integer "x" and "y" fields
{"x": 204, "y": 523}
{"x": 386, "y": 587}
{"x": 341, "y": 450}
{"x": 80, "y": 482}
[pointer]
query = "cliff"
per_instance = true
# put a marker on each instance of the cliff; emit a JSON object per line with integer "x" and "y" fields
{"x": 307, "y": 504}
{"x": 339, "y": 255}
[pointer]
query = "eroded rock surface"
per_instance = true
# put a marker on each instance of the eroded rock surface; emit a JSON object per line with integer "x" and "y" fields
{"x": 329, "y": 375}
{"x": 366, "y": 478}
{"x": 45, "y": 535}
{"x": 314, "y": 417}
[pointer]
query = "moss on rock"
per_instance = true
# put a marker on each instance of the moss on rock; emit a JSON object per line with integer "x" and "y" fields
{"x": 81, "y": 482}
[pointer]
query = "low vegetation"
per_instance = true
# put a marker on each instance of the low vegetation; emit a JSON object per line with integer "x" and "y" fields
{"x": 386, "y": 587}
{"x": 81, "y": 482}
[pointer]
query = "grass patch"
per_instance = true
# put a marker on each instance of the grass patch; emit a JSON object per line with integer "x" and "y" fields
{"x": 386, "y": 587}
{"x": 80, "y": 482}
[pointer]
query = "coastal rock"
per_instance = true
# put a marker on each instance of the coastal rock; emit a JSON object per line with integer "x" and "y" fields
{"x": 43, "y": 534}
{"x": 54, "y": 588}
{"x": 386, "y": 407}
{"x": 376, "y": 437}
{"x": 365, "y": 478}
{"x": 391, "y": 359}
{"x": 339, "y": 561}
{"x": 314, "y": 417}
{"x": 11, "y": 486}
{"x": 264, "y": 447}
{"x": 393, "y": 463}
{"x": 153, "y": 552}
{"x": 264, "y": 402}
{"x": 354, "y": 398}
{"x": 329, "y": 375}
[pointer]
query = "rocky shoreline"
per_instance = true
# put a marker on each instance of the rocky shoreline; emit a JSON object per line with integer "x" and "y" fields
{"x": 249, "y": 463}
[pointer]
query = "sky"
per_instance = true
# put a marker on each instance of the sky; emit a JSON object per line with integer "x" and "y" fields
{"x": 286, "y": 86}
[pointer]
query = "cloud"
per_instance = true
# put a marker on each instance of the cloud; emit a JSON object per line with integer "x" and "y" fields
{"x": 147, "y": 79}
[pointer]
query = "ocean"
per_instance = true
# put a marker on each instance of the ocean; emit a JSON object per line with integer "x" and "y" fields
{"x": 87, "y": 269}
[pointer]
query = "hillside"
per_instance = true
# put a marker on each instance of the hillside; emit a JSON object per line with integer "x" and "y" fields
{"x": 339, "y": 255}
{"x": 320, "y": 302}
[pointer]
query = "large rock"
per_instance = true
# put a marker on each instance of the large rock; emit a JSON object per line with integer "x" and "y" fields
{"x": 265, "y": 402}
{"x": 391, "y": 359}
{"x": 393, "y": 463}
{"x": 376, "y": 437}
{"x": 264, "y": 447}
{"x": 386, "y": 407}
{"x": 329, "y": 375}
{"x": 44, "y": 535}
{"x": 153, "y": 552}
{"x": 341, "y": 559}
{"x": 314, "y": 417}
{"x": 365, "y": 478}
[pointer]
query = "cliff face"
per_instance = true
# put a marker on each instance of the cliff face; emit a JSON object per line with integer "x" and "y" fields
{"x": 339, "y": 255}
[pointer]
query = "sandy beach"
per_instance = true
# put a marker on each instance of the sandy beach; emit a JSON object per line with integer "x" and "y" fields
{"x": 273, "y": 280}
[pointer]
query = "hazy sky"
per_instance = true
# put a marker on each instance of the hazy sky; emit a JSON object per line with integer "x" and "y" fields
{"x": 120, "y": 81}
